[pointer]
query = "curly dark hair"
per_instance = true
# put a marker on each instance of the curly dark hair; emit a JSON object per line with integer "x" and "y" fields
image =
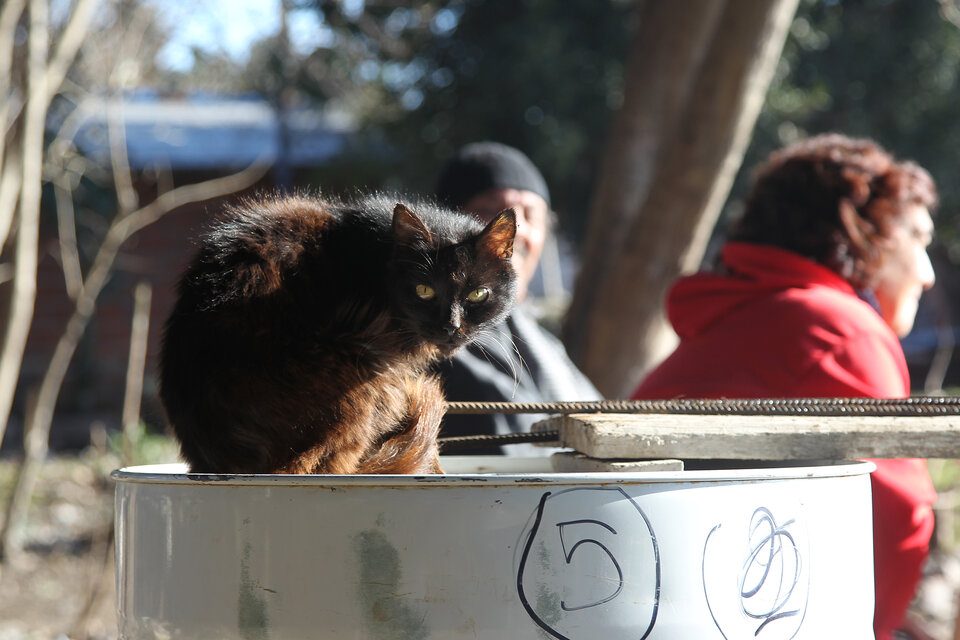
{"x": 832, "y": 198}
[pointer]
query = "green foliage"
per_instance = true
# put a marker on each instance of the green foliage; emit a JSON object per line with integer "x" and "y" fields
{"x": 431, "y": 75}
{"x": 143, "y": 446}
{"x": 543, "y": 76}
{"x": 945, "y": 473}
{"x": 883, "y": 69}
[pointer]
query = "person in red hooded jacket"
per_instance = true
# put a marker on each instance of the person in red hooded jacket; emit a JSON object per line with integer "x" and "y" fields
{"x": 815, "y": 285}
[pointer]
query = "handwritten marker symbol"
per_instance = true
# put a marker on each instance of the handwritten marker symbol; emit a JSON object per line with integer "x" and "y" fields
{"x": 772, "y": 584}
{"x": 589, "y": 566}
{"x": 568, "y": 556}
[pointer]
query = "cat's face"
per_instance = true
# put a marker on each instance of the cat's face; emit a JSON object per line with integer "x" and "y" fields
{"x": 447, "y": 293}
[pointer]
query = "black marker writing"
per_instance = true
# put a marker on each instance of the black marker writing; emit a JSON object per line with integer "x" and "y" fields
{"x": 568, "y": 556}
{"x": 611, "y": 563}
{"x": 771, "y": 570}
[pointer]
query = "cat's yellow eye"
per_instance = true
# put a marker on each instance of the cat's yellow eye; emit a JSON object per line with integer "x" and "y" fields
{"x": 478, "y": 295}
{"x": 425, "y": 293}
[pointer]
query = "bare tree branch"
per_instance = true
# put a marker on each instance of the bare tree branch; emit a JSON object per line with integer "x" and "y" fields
{"x": 127, "y": 196}
{"x": 10, "y": 181}
{"x": 68, "y": 130}
{"x": 45, "y": 76}
{"x": 37, "y": 430}
{"x": 21, "y": 178}
{"x": 67, "y": 232}
{"x": 25, "y": 266}
{"x": 61, "y": 152}
{"x": 127, "y": 199}
{"x": 136, "y": 363}
{"x": 71, "y": 38}
{"x": 9, "y": 18}
{"x": 9, "y": 157}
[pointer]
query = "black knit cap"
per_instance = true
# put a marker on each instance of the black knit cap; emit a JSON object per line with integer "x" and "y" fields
{"x": 487, "y": 165}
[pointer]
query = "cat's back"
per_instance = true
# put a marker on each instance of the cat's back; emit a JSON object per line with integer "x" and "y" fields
{"x": 255, "y": 248}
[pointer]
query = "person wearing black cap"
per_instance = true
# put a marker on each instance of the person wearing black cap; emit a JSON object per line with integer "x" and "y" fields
{"x": 520, "y": 361}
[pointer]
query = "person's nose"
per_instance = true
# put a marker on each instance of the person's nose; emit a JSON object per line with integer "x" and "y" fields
{"x": 925, "y": 271}
{"x": 523, "y": 226}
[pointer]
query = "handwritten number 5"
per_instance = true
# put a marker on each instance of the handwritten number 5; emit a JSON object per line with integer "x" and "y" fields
{"x": 568, "y": 557}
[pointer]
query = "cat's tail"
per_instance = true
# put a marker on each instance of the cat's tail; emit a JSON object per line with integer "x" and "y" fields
{"x": 414, "y": 448}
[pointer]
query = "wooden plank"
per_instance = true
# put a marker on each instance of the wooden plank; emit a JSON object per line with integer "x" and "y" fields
{"x": 569, "y": 462}
{"x": 646, "y": 436}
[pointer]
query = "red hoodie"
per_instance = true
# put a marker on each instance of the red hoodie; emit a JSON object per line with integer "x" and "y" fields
{"x": 778, "y": 325}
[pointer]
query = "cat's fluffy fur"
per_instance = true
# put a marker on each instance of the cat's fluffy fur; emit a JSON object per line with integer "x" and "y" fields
{"x": 301, "y": 341}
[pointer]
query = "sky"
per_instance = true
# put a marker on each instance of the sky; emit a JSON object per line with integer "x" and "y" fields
{"x": 230, "y": 26}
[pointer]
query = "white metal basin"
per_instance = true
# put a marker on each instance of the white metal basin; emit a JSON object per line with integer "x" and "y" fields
{"x": 499, "y": 548}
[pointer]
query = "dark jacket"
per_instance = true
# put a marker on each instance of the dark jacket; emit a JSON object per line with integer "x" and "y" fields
{"x": 519, "y": 361}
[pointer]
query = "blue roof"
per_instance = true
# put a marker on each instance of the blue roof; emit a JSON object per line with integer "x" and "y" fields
{"x": 213, "y": 133}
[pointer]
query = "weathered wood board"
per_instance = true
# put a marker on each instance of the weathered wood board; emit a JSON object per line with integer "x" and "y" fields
{"x": 646, "y": 436}
{"x": 569, "y": 462}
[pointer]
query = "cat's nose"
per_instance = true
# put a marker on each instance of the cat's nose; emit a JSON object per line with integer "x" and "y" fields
{"x": 452, "y": 325}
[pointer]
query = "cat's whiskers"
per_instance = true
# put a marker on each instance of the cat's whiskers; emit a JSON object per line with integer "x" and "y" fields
{"x": 515, "y": 339}
{"x": 498, "y": 336}
{"x": 486, "y": 354}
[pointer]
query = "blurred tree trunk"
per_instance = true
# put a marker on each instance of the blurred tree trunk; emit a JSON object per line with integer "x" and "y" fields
{"x": 695, "y": 80}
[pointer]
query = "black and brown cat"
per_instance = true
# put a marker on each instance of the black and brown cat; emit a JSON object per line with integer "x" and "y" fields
{"x": 305, "y": 329}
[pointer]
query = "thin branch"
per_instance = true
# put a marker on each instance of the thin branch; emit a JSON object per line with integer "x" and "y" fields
{"x": 163, "y": 176}
{"x": 127, "y": 196}
{"x": 9, "y": 19}
{"x": 136, "y": 363}
{"x": 185, "y": 195}
{"x": 44, "y": 77}
{"x": 68, "y": 130}
{"x": 59, "y": 152}
{"x": 71, "y": 38}
{"x": 10, "y": 183}
{"x": 14, "y": 108}
{"x": 67, "y": 232}
{"x": 9, "y": 157}
{"x": 127, "y": 199}
{"x": 37, "y": 431}
{"x": 23, "y": 297}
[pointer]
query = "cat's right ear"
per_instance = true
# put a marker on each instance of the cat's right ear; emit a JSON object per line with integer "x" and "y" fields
{"x": 408, "y": 228}
{"x": 498, "y": 237}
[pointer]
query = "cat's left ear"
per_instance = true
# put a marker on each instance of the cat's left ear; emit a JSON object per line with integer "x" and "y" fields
{"x": 408, "y": 228}
{"x": 498, "y": 236}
